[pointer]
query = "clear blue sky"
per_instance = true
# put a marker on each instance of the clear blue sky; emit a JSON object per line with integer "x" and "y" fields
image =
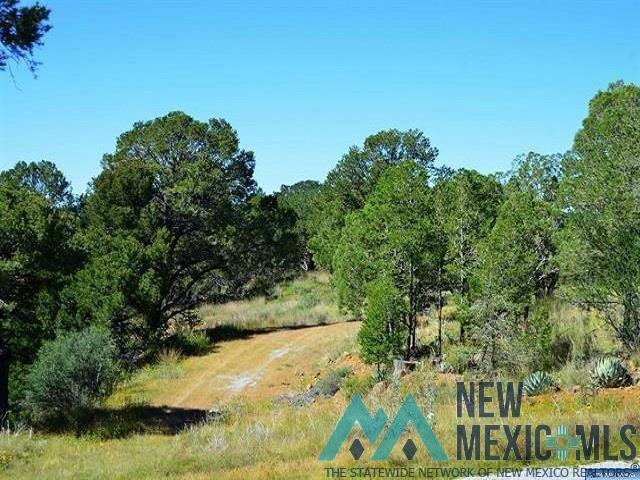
{"x": 302, "y": 81}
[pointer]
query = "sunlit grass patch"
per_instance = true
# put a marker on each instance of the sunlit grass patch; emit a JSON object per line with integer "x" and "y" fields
{"x": 306, "y": 301}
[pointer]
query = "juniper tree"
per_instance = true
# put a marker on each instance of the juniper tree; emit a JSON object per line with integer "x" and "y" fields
{"x": 601, "y": 196}
{"x": 393, "y": 235}
{"x": 381, "y": 336}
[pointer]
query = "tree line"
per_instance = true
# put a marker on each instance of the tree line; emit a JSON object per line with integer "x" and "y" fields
{"x": 399, "y": 234}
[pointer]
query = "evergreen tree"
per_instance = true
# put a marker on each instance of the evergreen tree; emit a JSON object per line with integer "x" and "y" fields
{"x": 382, "y": 333}
{"x": 601, "y": 197}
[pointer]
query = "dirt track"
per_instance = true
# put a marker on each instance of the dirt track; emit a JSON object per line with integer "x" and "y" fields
{"x": 260, "y": 366}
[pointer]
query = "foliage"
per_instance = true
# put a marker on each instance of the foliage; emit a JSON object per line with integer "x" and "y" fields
{"x": 37, "y": 257}
{"x": 189, "y": 342}
{"x": 269, "y": 249}
{"x": 537, "y": 383}
{"x": 21, "y": 30}
{"x": 332, "y": 381}
{"x": 610, "y": 372}
{"x": 573, "y": 374}
{"x": 75, "y": 370}
{"x": 459, "y": 357}
{"x": 496, "y": 342}
{"x": 360, "y": 384}
{"x": 466, "y": 204}
{"x": 300, "y": 198}
{"x": 173, "y": 219}
{"x": 392, "y": 236}
{"x": 600, "y": 193}
{"x": 350, "y": 183}
{"x": 517, "y": 271}
{"x": 519, "y": 254}
{"x": 382, "y": 333}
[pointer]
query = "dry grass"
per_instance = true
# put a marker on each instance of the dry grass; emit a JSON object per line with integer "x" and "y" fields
{"x": 259, "y": 439}
{"x": 309, "y": 301}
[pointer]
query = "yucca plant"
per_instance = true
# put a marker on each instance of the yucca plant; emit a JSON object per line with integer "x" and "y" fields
{"x": 537, "y": 383}
{"x": 610, "y": 372}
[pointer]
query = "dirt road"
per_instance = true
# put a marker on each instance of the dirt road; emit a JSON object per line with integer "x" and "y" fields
{"x": 260, "y": 366}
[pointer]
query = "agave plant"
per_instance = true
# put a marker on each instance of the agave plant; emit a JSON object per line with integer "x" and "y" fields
{"x": 609, "y": 372}
{"x": 537, "y": 383}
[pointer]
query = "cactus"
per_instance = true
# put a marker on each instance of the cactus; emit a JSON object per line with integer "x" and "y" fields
{"x": 609, "y": 372}
{"x": 537, "y": 383}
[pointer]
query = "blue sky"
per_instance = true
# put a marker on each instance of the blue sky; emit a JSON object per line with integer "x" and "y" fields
{"x": 302, "y": 81}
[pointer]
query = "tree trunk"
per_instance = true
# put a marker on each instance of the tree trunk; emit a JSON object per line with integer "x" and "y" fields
{"x": 407, "y": 354}
{"x": 630, "y": 331}
{"x": 411, "y": 337}
{"x": 4, "y": 381}
{"x": 440, "y": 322}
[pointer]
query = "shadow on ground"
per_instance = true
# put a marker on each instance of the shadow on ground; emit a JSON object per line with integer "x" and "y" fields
{"x": 222, "y": 333}
{"x": 109, "y": 423}
{"x": 218, "y": 334}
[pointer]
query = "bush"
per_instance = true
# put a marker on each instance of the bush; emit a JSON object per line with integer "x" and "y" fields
{"x": 357, "y": 384}
{"x": 573, "y": 374}
{"x": 538, "y": 339}
{"x": 73, "y": 371}
{"x": 331, "y": 383}
{"x": 192, "y": 342}
{"x": 634, "y": 358}
{"x": 309, "y": 300}
{"x": 381, "y": 336}
{"x": 459, "y": 357}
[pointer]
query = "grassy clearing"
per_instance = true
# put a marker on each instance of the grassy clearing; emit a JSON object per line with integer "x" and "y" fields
{"x": 310, "y": 301}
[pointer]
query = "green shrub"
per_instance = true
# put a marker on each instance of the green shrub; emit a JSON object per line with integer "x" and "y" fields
{"x": 609, "y": 372}
{"x": 309, "y": 300}
{"x": 561, "y": 351}
{"x": 573, "y": 374}
{"x": 537, "y": 383}
{"x": 73, "y": 371}
{"x": 538, "y": 337}
{"x": 634, "y": 358}
{"x": 459, "y": 357}
{"x": 357, "y": 384}
{"x": 331, "y": 383}
{"x": 381, "y": 335}
{"x": 189, "y": 342}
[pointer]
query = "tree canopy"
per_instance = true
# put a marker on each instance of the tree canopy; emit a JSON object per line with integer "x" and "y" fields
{"x": 602, "y": 200}
{"x": 170, "y": 223}
{"x": 37, "y": 258}
{"x": 21, "y": 31}
{"x": 393, "y": 235}
{"x": 175, "y": 219}
{"x": 350, "y": 183}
